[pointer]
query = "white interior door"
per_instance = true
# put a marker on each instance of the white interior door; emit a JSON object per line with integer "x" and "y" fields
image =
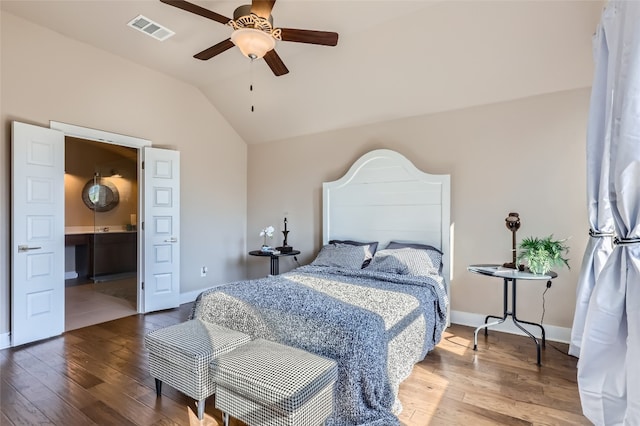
{"x": 161, "y": 229}
{"x": 37, "y": 233}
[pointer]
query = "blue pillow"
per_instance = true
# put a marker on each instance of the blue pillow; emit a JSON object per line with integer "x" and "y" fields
{"x": 373, "y": 246}
{"x": 397, "y": 245}
{"x": 342, "y": 255}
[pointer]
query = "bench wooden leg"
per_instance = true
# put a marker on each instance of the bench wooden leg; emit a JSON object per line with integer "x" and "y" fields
{"x": 158, "y": 387}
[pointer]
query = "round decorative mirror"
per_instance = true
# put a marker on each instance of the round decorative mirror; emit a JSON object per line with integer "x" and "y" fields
{"x": 100, "y": 195}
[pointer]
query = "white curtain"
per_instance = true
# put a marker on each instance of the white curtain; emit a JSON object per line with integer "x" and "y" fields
{"x": 609, "y": 364}
{"x": 600, "y": 244}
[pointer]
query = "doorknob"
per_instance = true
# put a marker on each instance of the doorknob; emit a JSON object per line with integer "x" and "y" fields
{"x": 171, "y": 240}
{"x": 24, "y": 248}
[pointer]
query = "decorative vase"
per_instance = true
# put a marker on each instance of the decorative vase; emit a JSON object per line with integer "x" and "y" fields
{"x": 538, "y": 269}
{"x": 266, "y": 232}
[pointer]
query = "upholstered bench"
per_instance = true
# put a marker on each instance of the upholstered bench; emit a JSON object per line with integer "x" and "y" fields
{"x": 264, "y": 383}
{"x": 179, "y": 355}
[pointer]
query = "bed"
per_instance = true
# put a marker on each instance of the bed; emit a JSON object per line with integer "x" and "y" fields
{"x": 375, "y": 298}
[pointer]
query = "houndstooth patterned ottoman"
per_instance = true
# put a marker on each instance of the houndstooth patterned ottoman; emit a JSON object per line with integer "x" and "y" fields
{"x": 264, "y": 383}
{"x": 180, "y": 355}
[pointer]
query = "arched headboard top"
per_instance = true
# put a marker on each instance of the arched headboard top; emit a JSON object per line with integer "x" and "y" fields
{"x": 384, "y": 197}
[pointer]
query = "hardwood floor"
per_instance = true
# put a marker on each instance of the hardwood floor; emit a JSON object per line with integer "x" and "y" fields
{"x": 98, "y": 375}
{"x": 498, "y": 384}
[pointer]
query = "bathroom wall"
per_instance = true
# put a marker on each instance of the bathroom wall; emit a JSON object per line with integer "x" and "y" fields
{"x": 84, "y": 158}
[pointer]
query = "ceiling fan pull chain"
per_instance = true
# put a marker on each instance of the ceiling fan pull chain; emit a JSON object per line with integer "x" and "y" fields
{"x": 251, "y": 83}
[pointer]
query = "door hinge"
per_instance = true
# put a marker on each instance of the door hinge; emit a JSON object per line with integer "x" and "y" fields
{"x": 142, "y": 224}
{"x": 143, "y": 285}
{"x": 143, "y": 165}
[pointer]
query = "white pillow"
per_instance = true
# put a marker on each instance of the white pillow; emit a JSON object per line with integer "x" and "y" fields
{"x": 406, "y": 261}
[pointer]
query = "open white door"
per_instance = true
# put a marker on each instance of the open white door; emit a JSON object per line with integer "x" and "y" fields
{"x": 37, "y": 233}
{"x": 161, "y": 229}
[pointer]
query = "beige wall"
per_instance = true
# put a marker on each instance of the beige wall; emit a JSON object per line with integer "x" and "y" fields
{"x": 526, "y": 156}
{"x": 45, "y": 76}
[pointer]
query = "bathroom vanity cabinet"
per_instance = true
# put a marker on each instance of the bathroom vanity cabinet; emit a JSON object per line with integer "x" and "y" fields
{"x": 100, "y": 256}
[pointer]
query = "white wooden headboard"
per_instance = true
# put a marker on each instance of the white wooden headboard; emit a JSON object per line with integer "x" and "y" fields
{"x": 384, "y": 197}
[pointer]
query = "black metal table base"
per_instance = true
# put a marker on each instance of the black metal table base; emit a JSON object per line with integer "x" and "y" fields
{"x": 275, "y": 265}
{"x": 514, "y": 318}
{"x": 274, "y": 268}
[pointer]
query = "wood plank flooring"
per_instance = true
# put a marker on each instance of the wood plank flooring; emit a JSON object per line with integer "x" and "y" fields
{"x": 98, "y": 375}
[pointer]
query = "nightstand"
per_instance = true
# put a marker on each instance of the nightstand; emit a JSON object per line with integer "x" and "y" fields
{"x": 510, "y": 276}
{"x": 275, "y": 258}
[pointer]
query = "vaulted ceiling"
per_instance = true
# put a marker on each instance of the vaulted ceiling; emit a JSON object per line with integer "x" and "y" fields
{"x": 394, "y": 59}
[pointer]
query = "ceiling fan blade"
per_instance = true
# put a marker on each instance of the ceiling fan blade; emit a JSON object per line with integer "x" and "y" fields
{"x": 275, "y": 63}
{"x": 262, "y": 8}
{"x": 324, "y": 38}
{"x": 194, "y": 8}
{"x": 215, "y": 50}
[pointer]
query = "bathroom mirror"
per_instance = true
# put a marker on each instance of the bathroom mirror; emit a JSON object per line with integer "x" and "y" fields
{"x": 100, "y": 195}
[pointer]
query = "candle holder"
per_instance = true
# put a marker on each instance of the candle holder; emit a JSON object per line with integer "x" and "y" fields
{"x": 512, "y": 222}
{"x": 285, "y": 247}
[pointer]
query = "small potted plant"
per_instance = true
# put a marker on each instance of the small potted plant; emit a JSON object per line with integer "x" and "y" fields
{"x": 542, "y": 254}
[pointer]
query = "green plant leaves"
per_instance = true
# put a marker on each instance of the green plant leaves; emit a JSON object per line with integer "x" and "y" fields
{"x": 542, "y": 254}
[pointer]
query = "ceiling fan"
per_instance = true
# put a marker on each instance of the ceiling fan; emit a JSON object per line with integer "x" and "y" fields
{"x": 254, "y": 33}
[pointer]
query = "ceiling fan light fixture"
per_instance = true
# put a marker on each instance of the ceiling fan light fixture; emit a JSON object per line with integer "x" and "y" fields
{"x": 253, "y": 43}
{"x": 254, "y": 33}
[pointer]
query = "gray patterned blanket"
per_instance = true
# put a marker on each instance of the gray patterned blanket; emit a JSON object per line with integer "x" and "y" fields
{"x": 375, "y": 325}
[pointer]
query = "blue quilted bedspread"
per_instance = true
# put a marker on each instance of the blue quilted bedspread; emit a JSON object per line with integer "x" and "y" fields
{"x": 375, "y": 325}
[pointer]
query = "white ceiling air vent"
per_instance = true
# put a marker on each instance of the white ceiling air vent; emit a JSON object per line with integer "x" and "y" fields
{"x": 150, "y": 28}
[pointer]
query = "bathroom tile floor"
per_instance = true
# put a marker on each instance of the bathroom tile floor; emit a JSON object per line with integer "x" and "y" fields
{"x": 85, "y": 306}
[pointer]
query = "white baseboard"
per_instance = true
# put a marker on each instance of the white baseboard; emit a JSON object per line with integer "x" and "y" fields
{"x": 192, "y": 295}
{"x": 5, "y": 340}
{"x": 553, "y": 333}
{"x": 189, "y": 297}
{"x": 70, "y": 275}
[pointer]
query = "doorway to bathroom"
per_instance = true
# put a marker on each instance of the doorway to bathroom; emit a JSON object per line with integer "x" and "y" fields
{"x": 38, "y": 227}
{"x": 101, "y": 211}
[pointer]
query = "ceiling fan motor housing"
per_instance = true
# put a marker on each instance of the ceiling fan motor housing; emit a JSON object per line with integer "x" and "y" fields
{"x": 245, "y": 19}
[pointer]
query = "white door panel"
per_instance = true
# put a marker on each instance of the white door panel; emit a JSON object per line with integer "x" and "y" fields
{"x": 37, "y": 233}
{"x": 161, "y": 231}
